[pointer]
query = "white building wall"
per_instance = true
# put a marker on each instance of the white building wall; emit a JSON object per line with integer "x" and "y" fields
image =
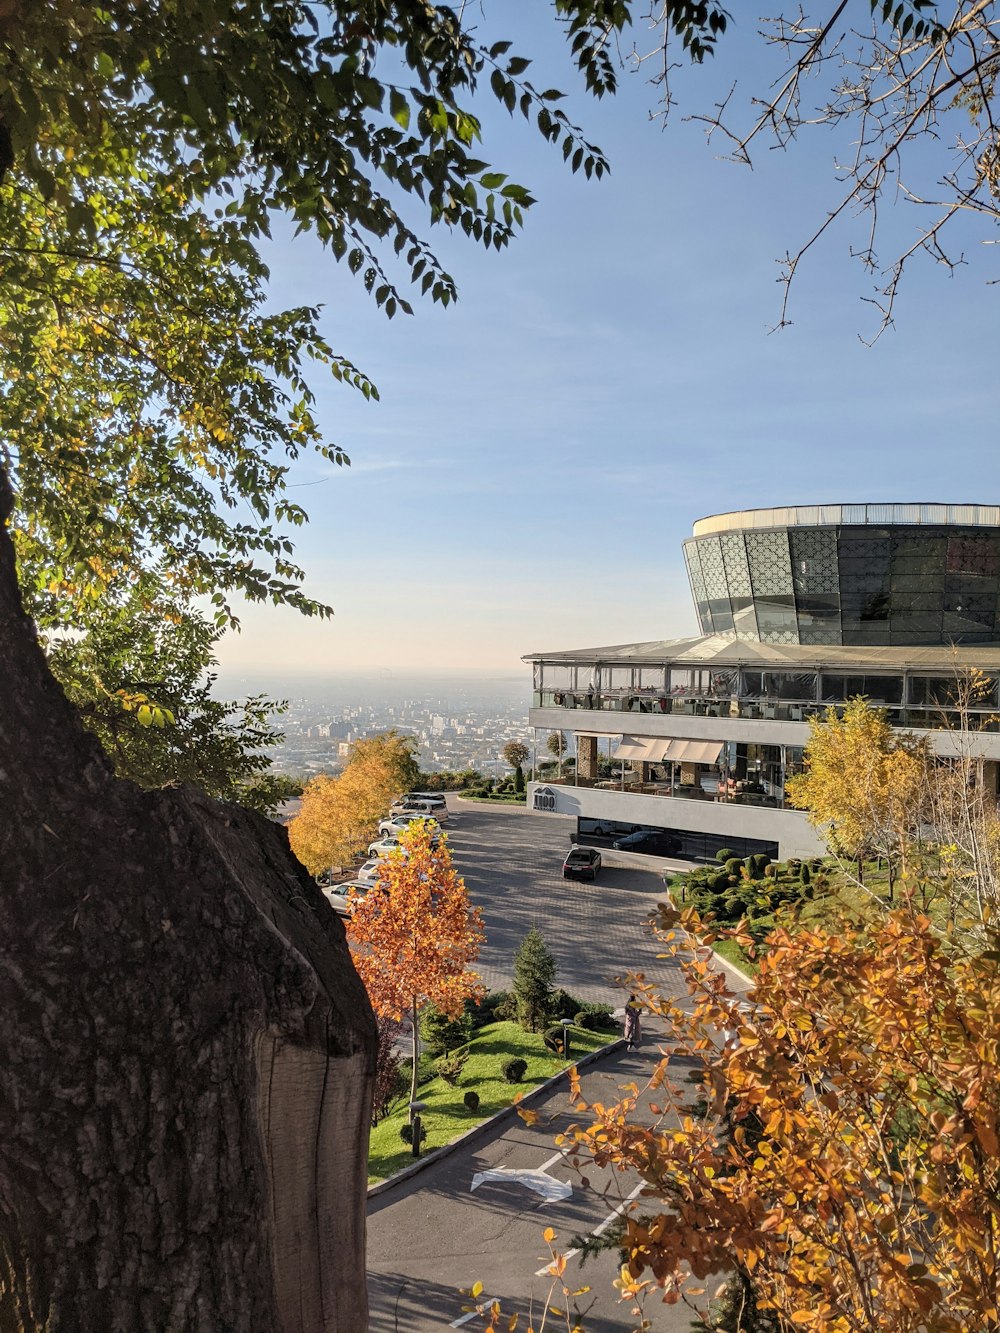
{"x": 790, "y": 829}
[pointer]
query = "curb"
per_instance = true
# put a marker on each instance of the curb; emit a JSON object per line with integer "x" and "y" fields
{"x": 717, "y": 957}
{"x": 486, "y": 1126}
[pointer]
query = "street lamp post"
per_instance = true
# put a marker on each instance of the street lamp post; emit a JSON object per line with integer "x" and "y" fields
{"x": 415, "y": 1126}
{"x": 567, "y": 1023}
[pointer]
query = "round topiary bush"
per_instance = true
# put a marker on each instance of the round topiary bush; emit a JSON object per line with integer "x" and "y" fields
{"x": 724, "y": 854}
{"x": 583, "y": 1020}
{"x": 769, "y": 871}
{"x": 406, "y": 1133}
{"x": 719, "y": 882}
{"x": 514, "y": 1069}
{"x": 733, "y": 866}
{"x": 804, "y": 875}
{"x": 553, "y": 1039}
{"x": 471, "y": 1100}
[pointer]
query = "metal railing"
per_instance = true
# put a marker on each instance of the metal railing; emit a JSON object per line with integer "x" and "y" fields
{"x": 924, "y": 717}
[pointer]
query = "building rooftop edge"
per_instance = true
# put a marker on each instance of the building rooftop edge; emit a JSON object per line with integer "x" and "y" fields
{"x": 873, "y": 513}
{"x": 715, "y": 650}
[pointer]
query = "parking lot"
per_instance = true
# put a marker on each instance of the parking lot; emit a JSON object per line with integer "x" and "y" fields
{"x": 512, "y": 864}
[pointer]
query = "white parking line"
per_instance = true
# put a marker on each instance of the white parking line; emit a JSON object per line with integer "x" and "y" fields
{"x": 600, "y": 1229}
{"x": 597, "y": 1231}
{"x": 553, "y": 1159}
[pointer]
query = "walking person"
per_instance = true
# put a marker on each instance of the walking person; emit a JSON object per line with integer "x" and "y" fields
{"x": 632, "y": 1024}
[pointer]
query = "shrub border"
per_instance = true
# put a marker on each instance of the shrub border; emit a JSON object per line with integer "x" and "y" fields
{"x": 486, "y": 1126}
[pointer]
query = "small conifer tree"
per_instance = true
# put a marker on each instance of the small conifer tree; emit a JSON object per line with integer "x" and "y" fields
{"x": 534, "y": 973}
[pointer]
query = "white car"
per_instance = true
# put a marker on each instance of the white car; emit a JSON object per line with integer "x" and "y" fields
{"x": 368, "y": 873}
{"x": 426, "y": 805}
{"x": 341, "y": 897}
{"x": 384, "y": 845}
{"x": 399, "y": 823}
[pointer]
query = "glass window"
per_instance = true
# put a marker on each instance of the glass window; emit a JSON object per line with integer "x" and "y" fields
{"x": 723, "y": 683}
{"x": 837, "y": 687}
{"x": 797, "y": 685}
{"x": 947, "y": 692}
{"x": 689, "y": 680}
{"x": 558, "y": 677}
{"x": 652, "y": 678}
{"x": 617, "y": 678}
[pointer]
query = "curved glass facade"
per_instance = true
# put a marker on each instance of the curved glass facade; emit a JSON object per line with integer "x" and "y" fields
{"x": 917, "y": 584}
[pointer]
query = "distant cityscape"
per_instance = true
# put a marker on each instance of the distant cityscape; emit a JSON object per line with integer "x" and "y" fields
{"x": 459, "y": 721}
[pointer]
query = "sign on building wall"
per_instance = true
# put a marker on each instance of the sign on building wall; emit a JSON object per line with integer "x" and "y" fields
{"x": 544, "y": 800}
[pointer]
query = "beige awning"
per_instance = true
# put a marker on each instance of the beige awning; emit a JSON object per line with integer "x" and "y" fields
{"x": 659, "y": 749}
{"x": 693, "y": 752}
{"x": 633, "y": 747}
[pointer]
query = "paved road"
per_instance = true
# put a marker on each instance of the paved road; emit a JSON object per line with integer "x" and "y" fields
{"x": 433, "y": 1235}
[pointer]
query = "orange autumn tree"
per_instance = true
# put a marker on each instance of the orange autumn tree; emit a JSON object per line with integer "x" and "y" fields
{"x": 340, "y": 816}
{"x": 414, "y": 935}
{"x": 843, "y": 1164}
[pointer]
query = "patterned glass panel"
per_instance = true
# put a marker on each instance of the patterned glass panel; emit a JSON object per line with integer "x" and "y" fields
{"x": 815, "y": 576}
{"x": 771, "y": 579}
{"x": 713, "y": 573}
{"x": 814, "y": 560}
{"x": 734, "y": 557}
{"x": 770, "y": 566}
{"x": 698, "y": 586}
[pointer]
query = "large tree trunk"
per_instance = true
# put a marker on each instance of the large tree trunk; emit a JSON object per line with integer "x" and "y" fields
{"x": 186, "y": 1052}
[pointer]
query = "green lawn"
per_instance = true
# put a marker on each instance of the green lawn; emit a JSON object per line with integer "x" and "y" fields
{"x": 732, "y": 953}
{"x": 503, "y": 798}
{"x": 446, "y": 1116}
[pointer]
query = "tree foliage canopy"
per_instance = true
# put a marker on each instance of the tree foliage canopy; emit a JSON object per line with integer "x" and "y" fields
{"x": 534, "y": 975}
{"x": 414, "y": 935}
{"x": 339, "y": 816}
{"x": 846, "y": 1157}
{"x": 154, "y": 401}
{"x": 865, "y": 784}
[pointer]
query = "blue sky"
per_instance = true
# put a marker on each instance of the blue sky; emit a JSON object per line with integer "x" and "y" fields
{"x": 541, "y": 449}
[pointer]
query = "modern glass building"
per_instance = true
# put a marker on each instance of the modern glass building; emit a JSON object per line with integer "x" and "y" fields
{"x": 864, "y": 574}
{"x": 800, "y": 608}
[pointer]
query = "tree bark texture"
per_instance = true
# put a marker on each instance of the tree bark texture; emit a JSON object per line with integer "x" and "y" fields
{"x": 186, "y": 1052}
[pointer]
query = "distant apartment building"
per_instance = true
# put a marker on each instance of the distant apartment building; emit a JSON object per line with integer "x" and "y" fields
{"x": 799, "y": 609}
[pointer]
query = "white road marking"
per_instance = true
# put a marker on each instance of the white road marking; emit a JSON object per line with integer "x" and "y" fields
{"x": 553, "y": 1159}
{"x": 457, "y": 1323}
{"x": 599, "y": 1230}
{"x": 547, "y": 1186}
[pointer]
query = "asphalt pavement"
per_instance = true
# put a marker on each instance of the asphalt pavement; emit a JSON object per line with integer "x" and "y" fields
{"x": 477, "y": 1215}
{"x": 512, "y": 864}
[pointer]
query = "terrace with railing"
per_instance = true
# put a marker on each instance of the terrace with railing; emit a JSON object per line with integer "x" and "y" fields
{"x": 913, "y": 699}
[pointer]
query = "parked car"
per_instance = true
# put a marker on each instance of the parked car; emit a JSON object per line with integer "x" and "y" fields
{"x": 368, "y": 873}
{"x": 386, "y": 842}
{"x": 397, "y": 823}
{"x": 649, "y": 841}
{"x": 425, "y": 805}
{"x": 582, "y": 863}
{"x": 342, "y": 897}
{"x": 384, "y": 845}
